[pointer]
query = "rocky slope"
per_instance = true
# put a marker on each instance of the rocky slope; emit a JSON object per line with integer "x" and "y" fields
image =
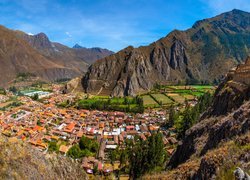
{"x": 69, "y": 56}
{"x": 220, "y": 141}
{"x": 204, "y": 52}
{"x": 19, "y": 161}
{"x": 90, "y": 55}
{"x": 20, "y": 53}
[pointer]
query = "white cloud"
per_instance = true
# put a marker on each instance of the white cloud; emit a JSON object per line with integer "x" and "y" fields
{"x": 31, "y": 34}
{"x": 220, "y": 6}
{"x": 68, "y": 34}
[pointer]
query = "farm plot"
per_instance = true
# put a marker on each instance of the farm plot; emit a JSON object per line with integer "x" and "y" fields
{"x": 148, "y": 100}
{"x": 188, "y": 96}
{"x": 176, "y": 97}
{"x": 161, "y": 98}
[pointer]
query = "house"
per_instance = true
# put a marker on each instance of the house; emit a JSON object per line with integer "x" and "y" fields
{"x": 70, "y": 127}
{"x": 130, "y": 128}
{"x": 64, "y": 149}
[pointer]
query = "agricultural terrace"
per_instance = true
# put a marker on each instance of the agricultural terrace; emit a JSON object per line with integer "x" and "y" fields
{"x": 162, "y": 97}
{"x": 167, "y": 95}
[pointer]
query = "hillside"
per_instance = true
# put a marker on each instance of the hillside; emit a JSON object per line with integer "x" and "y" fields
{"x": 22, "y": 53}
{"x": 19, "y": 161}
{"x": 90, "y": 55}
{"x": 203, "y": 53}
{"x": 219, "y": 142}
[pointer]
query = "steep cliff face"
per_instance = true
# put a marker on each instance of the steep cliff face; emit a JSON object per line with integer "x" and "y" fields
{"x": 19, "y": 161}
{"x": 135, "y": 70}
{"x": 219, "y": 129}
{"x": 219, "y": 142}
{"x": 204, "y": 52}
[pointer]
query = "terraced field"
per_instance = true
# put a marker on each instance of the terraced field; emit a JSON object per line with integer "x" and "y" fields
{"x": 157, "y": 98}
{"x": 188, "y": 96}
{"x": 148, "y": 100}
{"x": 167, "y": 95}
{"x": 162, "y": 99}
{"x": 176, "y": 97}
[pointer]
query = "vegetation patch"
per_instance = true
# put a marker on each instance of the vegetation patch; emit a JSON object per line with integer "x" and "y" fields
{"x": 162, "y": 99}
{"x": 126, "y": 104}
{"x": 148, "y": 100}
{"x": 86, "y": 147}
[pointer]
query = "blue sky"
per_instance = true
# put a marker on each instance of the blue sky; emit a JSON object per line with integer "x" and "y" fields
{"x": 112, "y": 24}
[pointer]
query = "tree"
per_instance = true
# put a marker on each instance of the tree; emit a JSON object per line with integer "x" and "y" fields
{"x": 191, "y": 115}
{"x": 38, "y": 122}
{"x": 2, "y": 91}
{"x": 95, "y": 170}
{"x": 84, "y": 143}
{"x": 53, "y": 147}
{"x": 74, "y": 152}
{"x": 13, "y": 89}
{"x": 172, "y": 117}
{"x": 35, "y": 97}
{"x": 145, "y": 156}
{"x": 186, "y": 122}
{"x": 112, "y": 157}
{"x": 123, "y": 158}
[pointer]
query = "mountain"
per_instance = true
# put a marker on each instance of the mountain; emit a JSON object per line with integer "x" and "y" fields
{"x": 19, "y": 161}
{"x": 77, "y": 46}
{"x": 219, "y": 142}
{"x": 22, "y": 53}
{"x": 76, "y": 57}
{"x": 90, "y": 55}
{"x": 203, "y": 53}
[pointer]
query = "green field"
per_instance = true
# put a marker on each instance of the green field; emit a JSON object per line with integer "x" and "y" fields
{"x": 166, "y": 95}
{"x": 126, "y": 104}
{"x": 162, "y": 99}
{"x": 148, "y": 100}
{"x": 157, "y": 98}
{"x": 202, "y": 88}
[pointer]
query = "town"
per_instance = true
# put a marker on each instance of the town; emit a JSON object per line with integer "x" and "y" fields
{"x": 42, "y": 122}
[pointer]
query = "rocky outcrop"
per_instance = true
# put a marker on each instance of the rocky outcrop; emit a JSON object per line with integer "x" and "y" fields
{"x": 204, "y": 53}
{"x": 74, "y": 85}
{"x": 218, "y": 163}
{"x": 240, "y": 174}
{"x": 210, "y": 132}
{"x": 221, "y": 138}
{"x": 136, "y": 70}
{"x": 19, "y": 161}
{"x": 232, "y": 92}
{"x": 228, "y": 117}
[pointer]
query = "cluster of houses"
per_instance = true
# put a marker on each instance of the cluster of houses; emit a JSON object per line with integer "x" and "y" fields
{"x": 41, "y": 123}
{"x": 3, "y": 98}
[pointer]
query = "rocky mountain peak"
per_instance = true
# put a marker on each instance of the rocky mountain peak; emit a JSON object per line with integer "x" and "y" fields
{"x": 203, "y": 53}
{"x": 36, "y": 54}
{"x": 77, "y": 46}
{"x": 41, "y": 41}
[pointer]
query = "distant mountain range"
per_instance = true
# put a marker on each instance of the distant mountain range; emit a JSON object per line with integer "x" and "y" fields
{"x": 203, "y": 53}
{"x": 36, "y": 54}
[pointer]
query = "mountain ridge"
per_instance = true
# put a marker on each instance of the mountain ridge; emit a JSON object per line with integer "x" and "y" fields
{"x": 203, "y": 53}
{"x": 36, "y": 54}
